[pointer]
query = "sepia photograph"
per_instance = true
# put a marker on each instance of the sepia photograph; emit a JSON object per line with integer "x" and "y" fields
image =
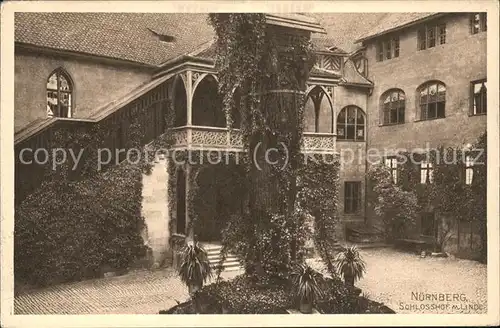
{"x": 249, "y": 162}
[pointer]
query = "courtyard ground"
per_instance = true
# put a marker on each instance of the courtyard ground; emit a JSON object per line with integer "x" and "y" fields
{"x": 391, "y": 278}
{"x": 407, "y": 283}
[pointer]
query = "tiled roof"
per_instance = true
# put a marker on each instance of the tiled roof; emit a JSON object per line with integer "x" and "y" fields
{"x": 344, "y": 28}
{"x": 391, "y": 22}
{"x": 352, "y": 76}
{"x": 133, "y": 36}
{"x": 126, "y": 36}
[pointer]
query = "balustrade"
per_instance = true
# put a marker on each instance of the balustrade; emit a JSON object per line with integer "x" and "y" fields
{"x": 211, "y": 138}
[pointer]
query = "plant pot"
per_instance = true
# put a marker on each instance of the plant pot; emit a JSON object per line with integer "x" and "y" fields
{"x": 349, "y": 280}
{"x": 305, "y": 307}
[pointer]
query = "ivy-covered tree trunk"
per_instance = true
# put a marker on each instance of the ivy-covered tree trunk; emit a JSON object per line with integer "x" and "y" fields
{"x": 270, "y": 65}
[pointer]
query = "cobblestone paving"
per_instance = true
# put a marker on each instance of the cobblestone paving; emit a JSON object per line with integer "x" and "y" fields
{"x": 138, "y": 292}
{"x": 393, "y": 276}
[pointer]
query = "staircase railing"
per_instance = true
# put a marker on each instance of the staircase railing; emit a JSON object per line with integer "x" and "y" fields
{"x": 149, "y": 108}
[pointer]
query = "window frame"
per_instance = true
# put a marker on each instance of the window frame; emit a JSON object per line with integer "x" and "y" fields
{"x": 353, "y": 198}
{"x": 388, "y": 48}
{"x": 60, "y": 72}
{"x": 428, "y": 167}
{"x": 387, "y": 112}
{"x": 473, "y": 111}
{"x": 427, "y": 85}
{"x": 393, "y": 167}
{"x": 469, "y": 169}
{"x": 482, "y": 21}
{"x": 438, "y": 36}
{"x": 355, "y": 124}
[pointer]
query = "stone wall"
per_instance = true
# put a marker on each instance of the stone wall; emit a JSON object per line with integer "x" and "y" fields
{"x": 95, "y": 84}
{"x": 458, "y": 62}
{"x": 155, "y": 211}
{"x": 352, "y": 156}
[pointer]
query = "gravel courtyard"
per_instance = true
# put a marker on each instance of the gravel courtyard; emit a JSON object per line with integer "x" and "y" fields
{"x": 392, "y": 278}
{"x": 410, "y": 284}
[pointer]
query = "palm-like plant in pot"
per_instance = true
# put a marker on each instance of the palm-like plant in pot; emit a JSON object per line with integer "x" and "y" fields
{"x": 306, "y": 284}
{"x": 195, "y": 267}
{"x": 350, "y": 265}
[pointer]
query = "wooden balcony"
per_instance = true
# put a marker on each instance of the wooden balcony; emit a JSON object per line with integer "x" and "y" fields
{"x": 212, "y": 138}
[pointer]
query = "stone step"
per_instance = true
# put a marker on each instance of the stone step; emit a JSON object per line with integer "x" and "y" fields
{"x": 217, "y": 257}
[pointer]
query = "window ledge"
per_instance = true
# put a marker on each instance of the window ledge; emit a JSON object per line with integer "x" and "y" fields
{"x": 429, "y": 119}
{"x": 480, "y": 114}
{"x": 349, "y": 140}
{"x": 391, "y": 124}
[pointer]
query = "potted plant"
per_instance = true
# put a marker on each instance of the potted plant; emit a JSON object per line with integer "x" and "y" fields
{"x": 350, "y": 265}
{"x": 306, "y": 284}
{"x": 195, "y": 268}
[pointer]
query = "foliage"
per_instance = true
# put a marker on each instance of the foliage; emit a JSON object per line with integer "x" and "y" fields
{"x": 448, "y": 195}
{"x": 350, "y": 264}
{"x": 270, "y": 68}
{"x": 338, "y": 298}
{"x": 82, "y": 218}
{"x": 195, "y": 268}
{"x": 306, "y": 283}
{"x": 68, "y": 230}
{"x": 318, "y": 182}
{"x": 396, "y": 206}
{"x": 242, "y": 296}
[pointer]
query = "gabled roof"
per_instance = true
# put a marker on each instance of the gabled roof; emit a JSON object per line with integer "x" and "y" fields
{"x": 343, "y": 28}
{"x": 393, "y": 22}
{"x": 135, "y": 37}
{"x": 126, "y": 36}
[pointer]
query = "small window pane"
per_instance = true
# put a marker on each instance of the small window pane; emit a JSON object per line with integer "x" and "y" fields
{"x": 442, "y": 34}
{"x": 476, "y": 25}
{"x": 350, "y": 132}
{"x": 64, "y": 83}
{"x": 341, "y": 130}
{"x": 360, "y": 118}
{"x": 431, "y": 37}
{"x": 401, "y": 115}
{"x": 396, "y": 47}
{"x": 479, "y": 97}
{"x": 423, "y": 95}
{"x": 421, "y": 40}
{"x": 52, "y": 82}
{"x": 351, "y": 115}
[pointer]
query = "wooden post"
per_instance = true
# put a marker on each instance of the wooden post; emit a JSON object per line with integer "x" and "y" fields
{"x": 189, "y": 97}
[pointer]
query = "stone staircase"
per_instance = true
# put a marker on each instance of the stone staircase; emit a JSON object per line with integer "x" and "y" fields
{"x": 230, "y": 264}
{"x": 364, "y": 234}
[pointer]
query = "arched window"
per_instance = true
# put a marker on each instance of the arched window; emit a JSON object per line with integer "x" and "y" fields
{"x": 393, "y": 106}
{"x": 59, "y": 94}
{"x": 351, "y": 124}
{"x": 432, "y": 100}
{"x": 318, "y": 112}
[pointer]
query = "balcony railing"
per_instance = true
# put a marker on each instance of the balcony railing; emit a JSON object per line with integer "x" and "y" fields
{"x": 212, "y": 138}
